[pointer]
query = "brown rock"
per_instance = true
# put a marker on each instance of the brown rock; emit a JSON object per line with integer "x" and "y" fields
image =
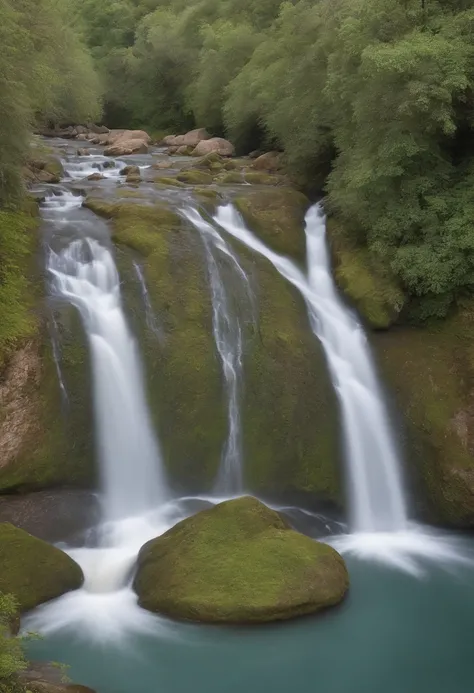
{"x": 83, "y": 152}
{"x": 98, "y": 129}
{"x": 168, "y": 141}
{"x": 161, "y": 165}
{"x": 127, "y": 170}
{"x": 192, "y": 138}
{"x": 185, "y": 150}
{"x": 124, "y": 147}
{"x": 270, "y": 161}
{"x": 41, "y": 677}
{"x": 215, "y": 144}
{"x": 95, "y": 176}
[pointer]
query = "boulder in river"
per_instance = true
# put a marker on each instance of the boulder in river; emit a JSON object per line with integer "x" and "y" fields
{"x": 269, "y": 162}
{"x": 215, "y": 144}
{"x": 32, "y": 570}
{"x": 238, "y": 562}
{"x": 95, "y": 176}
{"x": 125, "y": 142}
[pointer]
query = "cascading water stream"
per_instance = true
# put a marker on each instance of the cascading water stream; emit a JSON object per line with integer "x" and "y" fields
{"x": 84, "y": 274}
{"x": 228, "y": 336}
{"x": 151, "y": 319}
{"x": 379, "y": 523}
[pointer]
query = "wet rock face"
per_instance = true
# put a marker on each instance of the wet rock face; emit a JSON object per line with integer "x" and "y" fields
{"x": 238, "y": 563}
{"x": 429, "y": 372}
{"x": 53, "y": 515}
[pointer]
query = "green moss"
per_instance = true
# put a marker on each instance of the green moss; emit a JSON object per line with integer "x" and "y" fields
{"x": 212, "y": 162}
{"x": 195, "y": 177}
{"x": 123, "y": 192}
{"x": 168, "y": 181}
{"x": 289, "y": 412}
{"x": 183, "y": 375}
{"x": 32, "y": 570}
{"x": 229, "y": 178}
{"x": 257, "y": 178}
{"x": 53, "y": 165}
{"x": 431, "y": 371}
{"x": 17, "y": 242}
{"x": 277, "y": 216}
{"x": 367, "y": 282}
{"x": 236, "y": 563}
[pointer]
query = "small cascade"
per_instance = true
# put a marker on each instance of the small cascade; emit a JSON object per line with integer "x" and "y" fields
{"x": 228, "y": 336}
{"x": 376, "y": 495}
{"x": 84, "y": 273}
{"x": 151, "y": 319}
{"x": 77, "y": 168}
{"x": 56, "y": 349}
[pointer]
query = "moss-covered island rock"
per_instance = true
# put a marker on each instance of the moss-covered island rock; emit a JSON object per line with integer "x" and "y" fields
{"x": 32, "y": 570}
{"x": 238, "y": 562}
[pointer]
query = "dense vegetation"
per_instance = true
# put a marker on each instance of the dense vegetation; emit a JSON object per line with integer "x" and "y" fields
{"x": 12, "y": 659}
{"x": 46, "y": 75}
{"x": 370, "y": 98}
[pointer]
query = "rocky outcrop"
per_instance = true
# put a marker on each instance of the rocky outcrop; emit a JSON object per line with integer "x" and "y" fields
{"x": 32, "y": 570}
{"x": 215, "y": 144}
{"x": 288, "y": 409}
{"x": 41, "y": 677}
{"x": 430, "y": 374}
{"x": 45, "y": 168}
{"x": 126, "y": 142}
{"x": 238, "y": 562}
{"x": 190, "y": 139}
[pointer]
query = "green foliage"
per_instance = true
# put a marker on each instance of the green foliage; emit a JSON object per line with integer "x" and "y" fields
{"x": 46, "y": 75}
{"x": 12, "y": 659}
{"x": 16, "y": 245}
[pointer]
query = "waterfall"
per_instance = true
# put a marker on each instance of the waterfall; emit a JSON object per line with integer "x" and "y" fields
{"x": 376, "y": 495}
{"x": 84, "y": 273}
{"x": 228, "y": 336}
{"x": 150, "y": 316}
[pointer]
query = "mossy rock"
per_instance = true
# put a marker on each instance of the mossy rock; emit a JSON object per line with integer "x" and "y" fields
{"x": 238, "y": 562}
{"x": 212, "y": 162}
{"x": 277, "y": 216}
{"x": 430, "y": 371}
{"x": 195, "y": 177}
{"x": 183, "y": 378}
{"x": 258, "y": 178}
{"x": 32, "y": 570}
{"x": 366, "y": 281}
{"x": 168, "y": 181}
{"x": 289, "y": 411}
{"x": 289, "y": 419}
{"x": 229, "y": 178}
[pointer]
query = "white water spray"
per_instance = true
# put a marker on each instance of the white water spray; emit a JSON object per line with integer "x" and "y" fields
{"x": 228, "y": 336}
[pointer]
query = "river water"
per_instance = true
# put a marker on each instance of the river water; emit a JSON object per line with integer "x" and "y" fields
{"x": 408, "y": 622}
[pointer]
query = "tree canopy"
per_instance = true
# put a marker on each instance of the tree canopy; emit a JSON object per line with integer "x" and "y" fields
{"x": 46, "y": 74}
